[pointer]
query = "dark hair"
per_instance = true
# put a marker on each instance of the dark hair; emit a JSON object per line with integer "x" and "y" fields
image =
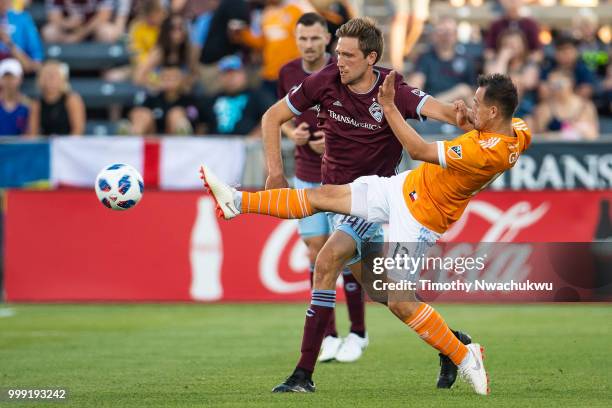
{"x": 500, "y": 91}
{"x": 364, "y": 29}
{"x": 310, "y": 19}
{"x": 164, "y": 42}
{"x": 565, "y": 39}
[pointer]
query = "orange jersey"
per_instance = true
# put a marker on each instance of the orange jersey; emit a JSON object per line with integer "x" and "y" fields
{"x": 437, "y": 195}
{"x": 277, "y": 41}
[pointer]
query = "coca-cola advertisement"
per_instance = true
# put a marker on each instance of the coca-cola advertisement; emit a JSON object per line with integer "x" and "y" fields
{"x": 64, "y": 246}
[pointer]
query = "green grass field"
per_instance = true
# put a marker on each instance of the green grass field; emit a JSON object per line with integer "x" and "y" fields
{"x": 232, "y": 355}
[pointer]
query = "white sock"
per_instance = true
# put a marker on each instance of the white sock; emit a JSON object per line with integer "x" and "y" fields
{"x": 238, "y": 200}
{"x": 467, "y": 360}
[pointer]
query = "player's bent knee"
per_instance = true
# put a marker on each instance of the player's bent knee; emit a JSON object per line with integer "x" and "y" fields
{"x": 403, "y": 309}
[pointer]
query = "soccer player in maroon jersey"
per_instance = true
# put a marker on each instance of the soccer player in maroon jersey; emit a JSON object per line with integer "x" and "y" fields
{"x": 312, "y": 37}
{"x": 358, "y": 142}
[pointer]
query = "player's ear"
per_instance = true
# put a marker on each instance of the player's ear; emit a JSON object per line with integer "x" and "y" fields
{"x": 372, "y": 56}
{"x": 494, "y": 112}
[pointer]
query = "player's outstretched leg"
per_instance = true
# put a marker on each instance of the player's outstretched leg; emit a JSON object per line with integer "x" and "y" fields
{"x": 432, "y": 328}
{"x": 280, "y": 203}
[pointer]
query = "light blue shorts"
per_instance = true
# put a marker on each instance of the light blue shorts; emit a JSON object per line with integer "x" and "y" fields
{"x": 316, "y": 225}
{"x": 357, "y": 228}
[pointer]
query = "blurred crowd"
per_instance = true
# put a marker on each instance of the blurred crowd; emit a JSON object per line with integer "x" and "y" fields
{"x": 211, "y": 66}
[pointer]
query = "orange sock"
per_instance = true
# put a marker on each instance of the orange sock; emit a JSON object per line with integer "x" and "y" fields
{"x": 432, "y": 328}
{"x": 280, "y": 203}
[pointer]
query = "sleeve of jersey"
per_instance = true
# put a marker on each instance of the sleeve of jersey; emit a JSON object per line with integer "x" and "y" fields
{"x": 280, "y": 88}
{"x": 410, "y": 101}
{"x": 304, "y": 96}
{"x": 463, "y": 155}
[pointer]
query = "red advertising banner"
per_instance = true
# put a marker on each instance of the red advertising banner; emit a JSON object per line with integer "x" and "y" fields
{"x": 65, "y": 246}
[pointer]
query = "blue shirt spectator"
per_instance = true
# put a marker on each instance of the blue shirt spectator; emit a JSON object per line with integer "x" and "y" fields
{"x": 19, "y": 38}
{"x": 14, "y": 109}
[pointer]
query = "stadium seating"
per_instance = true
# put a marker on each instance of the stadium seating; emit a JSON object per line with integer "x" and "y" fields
{"x": 97, "y": 93}
{"x": 89, "y": 56}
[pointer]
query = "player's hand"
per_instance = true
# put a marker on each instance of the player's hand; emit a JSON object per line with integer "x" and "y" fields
{"x": 300, "y": 134}
{"x": 318, "y": 145}
{"x": 276, "y": 181}
{"x": 463, "y": 115}
{"x": 386, "y": 92}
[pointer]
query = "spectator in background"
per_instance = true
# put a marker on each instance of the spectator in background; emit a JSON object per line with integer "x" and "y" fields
{"x": 142, "y": 38}
{"x": 14, "y": 107}
{"x": 276, "y": 41}
{"x": 58, "y": 110}
{"x": 409, "y": 17}
{"x": 211, "y": 40}
{"x": 335, "y": 13}
{"x": 512, "y": 58}
{"x": 191, "y": 9}
{"x": 237, "y": 110}
{"x": 607, "y": 93}
{"x": 73, "y": 21}
{"x": 172, "y": 111}
{"x": 19, "y": 38}
{"x": 568, "y": 59}
{"x": 564, "y": 113}
{"x": 173, "y": 48}
{"x": 593, "y": 52}
{"x": 445, "y": 71}
{"x": 118, "y": 25}
{"x": 512, "y": 19}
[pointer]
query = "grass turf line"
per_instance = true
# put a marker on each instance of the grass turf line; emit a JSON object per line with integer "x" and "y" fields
{"x": 232, "y": 355}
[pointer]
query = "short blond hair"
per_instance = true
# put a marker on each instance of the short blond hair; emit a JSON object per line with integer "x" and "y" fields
{"x": 61, "y": 67}
{"x": 369, "y": 36}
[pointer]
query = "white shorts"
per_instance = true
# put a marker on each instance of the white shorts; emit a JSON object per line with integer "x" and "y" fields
{"x": 384, "y": 199}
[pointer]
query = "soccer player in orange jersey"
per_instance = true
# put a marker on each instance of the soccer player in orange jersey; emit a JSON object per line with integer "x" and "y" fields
{"x": 419, "y": 205}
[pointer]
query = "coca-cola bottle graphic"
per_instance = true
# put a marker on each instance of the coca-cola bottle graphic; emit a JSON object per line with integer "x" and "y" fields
{"x": 206, "y": 253}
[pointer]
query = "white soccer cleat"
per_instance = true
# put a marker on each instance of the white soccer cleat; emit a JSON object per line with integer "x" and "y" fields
{"x": 329, "y": 348}
{"x": 221, "y": 192}
{"x": 472, "y": 369}
{"x": 352, "y": 348}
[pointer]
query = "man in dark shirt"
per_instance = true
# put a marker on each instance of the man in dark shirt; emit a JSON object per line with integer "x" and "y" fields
{"x": 567, "y": 58}
{"x": 238, "y": 109}
{"x": 445, "y": 71}
{"x": 172, "y": 111}
{"x": 358, "y": 142}
{"x": 211, "y": 40}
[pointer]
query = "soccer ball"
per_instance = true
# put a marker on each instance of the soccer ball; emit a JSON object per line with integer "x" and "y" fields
{"x": 119, "y": 186}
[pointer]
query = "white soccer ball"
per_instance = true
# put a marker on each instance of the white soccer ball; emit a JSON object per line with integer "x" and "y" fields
{"x": 119, "y": 186}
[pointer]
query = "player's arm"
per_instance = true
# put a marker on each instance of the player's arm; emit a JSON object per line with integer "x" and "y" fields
{"x": 271, "y": 123}
{"x": 413, "y": 143}
{"x": 444, "y": 112}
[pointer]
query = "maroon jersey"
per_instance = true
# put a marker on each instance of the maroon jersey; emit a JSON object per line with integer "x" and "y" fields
{"x": 307, "y": 161}
{"x": 358, "y": 139}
